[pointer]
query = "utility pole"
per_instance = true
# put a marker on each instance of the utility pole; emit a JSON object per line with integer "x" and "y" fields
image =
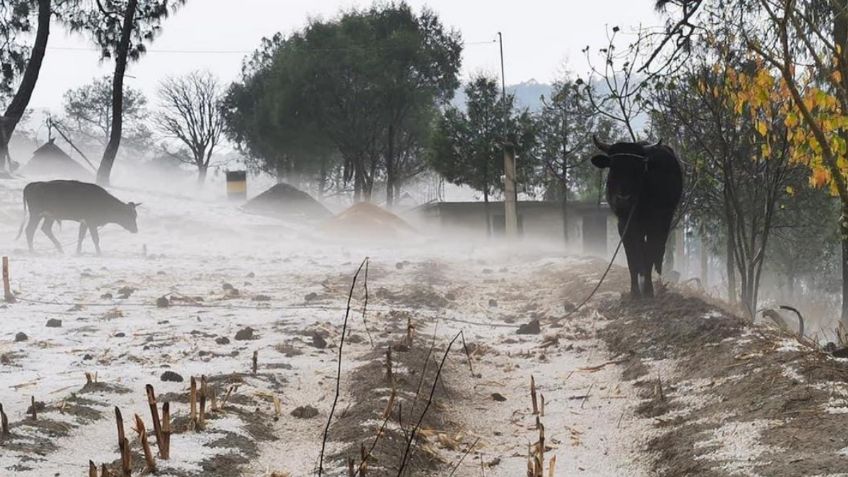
{"x": 510, "y": 212}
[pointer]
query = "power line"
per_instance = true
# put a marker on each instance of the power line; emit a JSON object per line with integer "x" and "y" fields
{"x": 245, "y": 52}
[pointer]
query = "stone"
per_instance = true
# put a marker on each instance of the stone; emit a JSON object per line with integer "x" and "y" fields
{"x": 172, "y": 377}
{"x": 304, "y": 412}
{"x": 245, "y": 334}
{"x": 498, "y": 397}
{"x": 532, "y": 328}
{"x": 222, "y": 340}
{"x": 318, "y": 341}
{"x": 54, "y": 323}
{"x": 21, "y": 337}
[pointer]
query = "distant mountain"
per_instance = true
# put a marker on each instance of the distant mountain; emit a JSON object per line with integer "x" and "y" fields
{"x": 528, "y": 95}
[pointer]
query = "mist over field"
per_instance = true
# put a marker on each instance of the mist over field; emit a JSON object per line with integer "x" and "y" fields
{"x": 423, "y": 239}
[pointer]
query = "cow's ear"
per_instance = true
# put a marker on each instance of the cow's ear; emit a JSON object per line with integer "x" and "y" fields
{"x": 601, "y": 161}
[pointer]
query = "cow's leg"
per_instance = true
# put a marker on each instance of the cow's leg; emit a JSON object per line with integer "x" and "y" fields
{"x": 34, "y": 219}
{"x": 47, "y": 228}
{"x": 633, "y": 252}
{"x": 95, "y": 237}
{"x": 82, "y": 229}
{"x": 657, "y": 235}
{"x": 647, "y": 265}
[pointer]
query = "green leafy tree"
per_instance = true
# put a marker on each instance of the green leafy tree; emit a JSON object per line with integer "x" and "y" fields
{"x": 365, "y": 83}
{"x": 269, "y": 118}
{"x": 565, "y": 127}
{"x": 467, "y": 146}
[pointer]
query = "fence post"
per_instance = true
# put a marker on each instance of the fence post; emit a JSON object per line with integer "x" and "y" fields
{"x": 7, "y": 289}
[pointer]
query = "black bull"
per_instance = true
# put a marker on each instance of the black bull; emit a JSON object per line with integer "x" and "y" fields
{"x": 644, "y": 186}
{"x": 88, "y": 204}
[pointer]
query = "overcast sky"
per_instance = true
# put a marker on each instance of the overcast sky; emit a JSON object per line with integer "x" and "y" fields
{"x": 540, "y": 37}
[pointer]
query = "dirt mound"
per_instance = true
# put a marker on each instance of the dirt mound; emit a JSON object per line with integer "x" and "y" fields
{"x": 729, "y": 376}
{"x": 50, "y": 161}
{"x": 365, "y": 220}
{"x": 284, "y": 200}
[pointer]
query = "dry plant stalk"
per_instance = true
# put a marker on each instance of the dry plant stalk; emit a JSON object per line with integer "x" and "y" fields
{"x": 277, "y": 408}
{"x": 409, "y": 331}
{"x": 165, "y": 449}
{"x": 34, "y": 410}
{"x": 104, "y": 471}
{"x": 255, "y": 361}
{"x": 154, "y": 413}
{"x": 339, "y": 367}
{"x": 230, "y": 390}
{"x": 388, "y": 411}
{"x": 92, "y": 469}
{"x": 88, "y": 378}
{"x": 363, "y": 469}
{"x": 123, "y": 445}
{"x": 145, "y": 445}
{"x": 552, "y": 467}
{"x": 193, "y": 404}
{"x": 202, "y": 418}
{"x": 542, "y": 405}
{"x": 389, "y": 376}
{"x": 4, "y": 422}
{"x": 7, "y": 289}
{"x": 541, "y": 450}
{"x": 533, "y": 395}
{"x": 351, "y": 471}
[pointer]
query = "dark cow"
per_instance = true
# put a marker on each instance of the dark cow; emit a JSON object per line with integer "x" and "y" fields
{"x": 88, "y": 204}
{"x": 644, "y": 186}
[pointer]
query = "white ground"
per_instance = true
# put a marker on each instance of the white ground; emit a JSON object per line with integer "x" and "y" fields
{"x": 193, "y": 246}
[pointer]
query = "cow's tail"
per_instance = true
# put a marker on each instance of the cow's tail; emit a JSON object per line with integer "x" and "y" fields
{"x": 26, "y": 216}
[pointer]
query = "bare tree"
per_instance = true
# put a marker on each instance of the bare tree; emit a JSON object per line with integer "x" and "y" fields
{"x": 191, "y": 113}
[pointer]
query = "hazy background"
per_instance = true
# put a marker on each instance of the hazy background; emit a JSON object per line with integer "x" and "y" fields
{"x": 540, "y": 37}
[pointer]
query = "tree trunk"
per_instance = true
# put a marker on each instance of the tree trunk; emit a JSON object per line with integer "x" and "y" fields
{"x": 15, "y": 111}
{"x": 390, "y": 167}
{"x": 322, "y": 179}
{"x": 843, "y": 234}
{"x": 705, "y": 262}
{"x": 565, "y": 203}
{"x": 121, "y": 54}
{"x": 201, "y": 174}
{"x": 486, "y": 209}
{"x": 731, "y": 267}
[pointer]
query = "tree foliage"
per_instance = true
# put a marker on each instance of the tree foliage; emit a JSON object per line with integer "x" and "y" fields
{"x": 360, "y": 88}
{"x": 467, "y": 147}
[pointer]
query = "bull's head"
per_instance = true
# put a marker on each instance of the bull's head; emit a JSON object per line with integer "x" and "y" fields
{"x": 128, "y": 221}
{"x": 627, "y": 163}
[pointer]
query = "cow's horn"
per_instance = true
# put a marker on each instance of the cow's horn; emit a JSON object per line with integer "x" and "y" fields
{"x": 600, "y": 145}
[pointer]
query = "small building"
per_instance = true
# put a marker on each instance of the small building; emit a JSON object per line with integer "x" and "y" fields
{"x": 588, "y": 222}
{"x": 50, "y": 161}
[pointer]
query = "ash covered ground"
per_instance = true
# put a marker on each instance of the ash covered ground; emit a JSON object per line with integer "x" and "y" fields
{"x": 627, "y": 389}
